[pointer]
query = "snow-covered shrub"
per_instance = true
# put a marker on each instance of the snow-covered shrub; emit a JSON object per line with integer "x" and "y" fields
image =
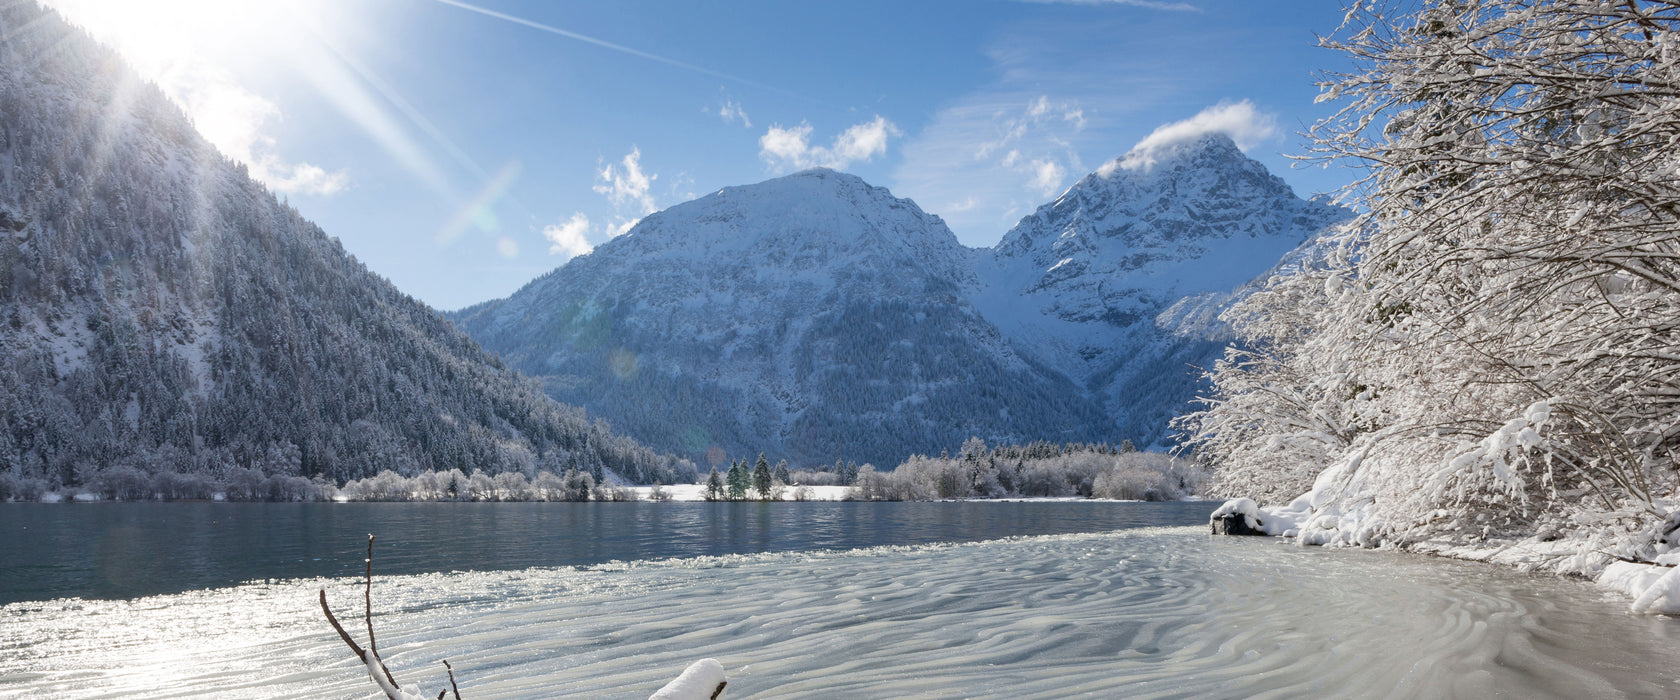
{"x": 240, "y": 484}
{"x": 1489, "y": 349}
{"x": 173, "y": 486}
{"x": 282, "y": 489}
{"x": 807, "y": 477}
{"x": 547, "y": 487}
{"x": 1035, "y": 471}
{"x": 120, "y": 483}
{"x": 616, "y": 493}
{"x": 511, "y": 486}
{"x": 16, "y": 488}
{"x": 384, "y": 486}
{"x": 577, "y": 486}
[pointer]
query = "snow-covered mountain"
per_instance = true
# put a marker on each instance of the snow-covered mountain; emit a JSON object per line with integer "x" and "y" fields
{"x": 1119, "y": 281}
{"x": 812, "y": 316}
{"x": 165, "y": 314}
{"x": 817, "y": 317}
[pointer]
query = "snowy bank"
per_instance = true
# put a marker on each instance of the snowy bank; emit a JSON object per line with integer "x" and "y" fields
{"x": 1329, "y": 516}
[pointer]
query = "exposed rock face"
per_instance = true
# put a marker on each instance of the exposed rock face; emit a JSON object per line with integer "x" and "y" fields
{"x": 1119, "y": 281}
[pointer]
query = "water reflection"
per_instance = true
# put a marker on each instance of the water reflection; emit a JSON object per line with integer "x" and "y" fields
{"x": 121, "y": 550}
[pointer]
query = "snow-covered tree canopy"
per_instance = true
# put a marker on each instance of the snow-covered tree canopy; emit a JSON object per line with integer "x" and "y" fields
{"x": 1494, "y": 345}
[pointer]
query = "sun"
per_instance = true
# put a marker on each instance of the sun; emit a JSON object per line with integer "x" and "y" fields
{"x": 157, "y": 36}
{"x": 209, "y": 56}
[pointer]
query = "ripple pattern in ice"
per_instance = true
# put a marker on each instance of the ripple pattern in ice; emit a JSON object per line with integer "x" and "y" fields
{"x": 1140, "y": 613}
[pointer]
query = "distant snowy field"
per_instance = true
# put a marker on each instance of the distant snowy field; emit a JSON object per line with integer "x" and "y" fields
{"x": 1137, "y": 613}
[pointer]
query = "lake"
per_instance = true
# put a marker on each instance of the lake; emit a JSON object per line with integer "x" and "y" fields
{"x": 1136, "y": 609}
{"x": 122, "y": 550}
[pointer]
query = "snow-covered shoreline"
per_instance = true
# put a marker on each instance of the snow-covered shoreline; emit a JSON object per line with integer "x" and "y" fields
{"x": 1652, "y": 587}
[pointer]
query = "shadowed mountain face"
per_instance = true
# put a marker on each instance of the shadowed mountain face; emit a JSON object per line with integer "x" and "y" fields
{"x": 816, "y": 317}
{"x": 1116, "y": 283}
{"x": 164, "y": 313}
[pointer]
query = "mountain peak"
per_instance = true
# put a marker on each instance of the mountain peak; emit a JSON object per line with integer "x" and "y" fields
{"x": 809, "y": 215}
{"x": 821, "y": 182}
{"x": 1193, "y": 152}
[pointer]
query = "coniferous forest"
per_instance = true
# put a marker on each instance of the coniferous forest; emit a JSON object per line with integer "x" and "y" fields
{"x": 171, "y": 327}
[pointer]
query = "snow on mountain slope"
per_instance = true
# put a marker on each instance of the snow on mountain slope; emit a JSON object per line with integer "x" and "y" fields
{"x": 165, "y": 315}
{"x": 812, "y": 316}
{"x": 1118, "y": 282}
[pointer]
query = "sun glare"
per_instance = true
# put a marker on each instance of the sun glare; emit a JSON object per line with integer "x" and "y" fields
{"x": 159, "y": 36}
{"x": 204, "y": 54}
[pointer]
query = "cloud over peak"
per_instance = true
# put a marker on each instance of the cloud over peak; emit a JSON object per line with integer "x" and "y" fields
{"x": 789, "y": 148}
{"x": 1246, "y": 125}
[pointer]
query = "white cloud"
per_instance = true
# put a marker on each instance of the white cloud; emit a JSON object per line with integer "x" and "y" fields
{"x": 622, "y": 225}
{"x": 1047, "y": 176}
{"x": 300, "y": 178}
{"x": 731, "y": 111}
{"x": 1145, "y": 4}
{"x": 789, "y": 148}
{"x": 787, "y": 145}
{"x": 1247, "y": 126}
{"x": 508, "y": 247}
{"x": 626, "y": 184}
{"x": 568, "y": 238}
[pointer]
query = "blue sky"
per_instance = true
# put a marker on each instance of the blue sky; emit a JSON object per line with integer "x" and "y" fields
{"x": 461, "y": 149}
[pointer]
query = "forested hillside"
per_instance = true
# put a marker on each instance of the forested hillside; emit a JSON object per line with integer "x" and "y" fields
{"x": 165, "y": 314}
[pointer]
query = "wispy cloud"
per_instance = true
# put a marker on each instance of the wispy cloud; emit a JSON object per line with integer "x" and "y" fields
{"x": 1038, "y": 137}
{"x": 1241, "y": 121}
{"x": 1048, "y": 176}
{"x": 789, "y": 148}
{"x": 986, "y": 161}
{"x": 1145, "y": 4}
{"x": 569, "y": 238}
{"x": 626, "y": 185}
{"x": 731, "y": 111}
{"x": 601, "y": 43}
{"x": 629, "y": 188}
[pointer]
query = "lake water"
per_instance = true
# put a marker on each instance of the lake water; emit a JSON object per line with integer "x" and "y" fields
{"x": 123, "y": 550}
{"x": 1135, "y": 612}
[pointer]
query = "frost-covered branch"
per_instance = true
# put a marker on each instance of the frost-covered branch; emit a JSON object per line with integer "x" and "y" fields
{"x": 702, "y": 680}
{"x": 1518, "y": 245}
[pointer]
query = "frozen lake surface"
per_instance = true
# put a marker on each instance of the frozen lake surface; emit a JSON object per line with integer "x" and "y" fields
{"x": 1142, "y": 612}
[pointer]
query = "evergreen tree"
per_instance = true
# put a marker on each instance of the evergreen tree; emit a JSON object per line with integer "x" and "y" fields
{"x": 761, "y": 478}
{"x": 714, "y": 486}
{"x": 781, "y": 472}
{"x": 737, "y": 480}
